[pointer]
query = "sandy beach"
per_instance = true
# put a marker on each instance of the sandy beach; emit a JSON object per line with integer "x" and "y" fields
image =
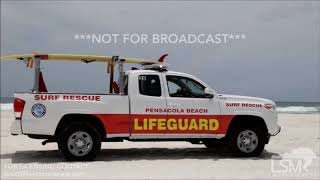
{"x": 22, "y": 157}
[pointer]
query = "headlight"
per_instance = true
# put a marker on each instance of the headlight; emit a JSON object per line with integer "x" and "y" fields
{"x": 270, "y": 107}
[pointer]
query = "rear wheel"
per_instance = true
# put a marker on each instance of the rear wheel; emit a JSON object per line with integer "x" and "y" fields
{"x": 79, "y": 142}
{"x": 247, "y": 141}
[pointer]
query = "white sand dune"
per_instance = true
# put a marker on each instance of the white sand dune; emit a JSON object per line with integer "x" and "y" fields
{"x": 22, "y": 157}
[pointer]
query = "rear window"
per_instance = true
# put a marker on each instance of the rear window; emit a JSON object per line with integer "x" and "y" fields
{"x": 149, "y": 85}
{"x": 126, "y": 83}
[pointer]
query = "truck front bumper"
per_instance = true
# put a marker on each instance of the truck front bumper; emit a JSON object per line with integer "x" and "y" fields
{"x": 277, "y": 131}
{"x": 15, "y": 128}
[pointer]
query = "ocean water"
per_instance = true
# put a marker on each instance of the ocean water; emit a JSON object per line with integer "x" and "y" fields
{"x": 6, "y": 103}
{"x": 298, "y": 107}
{"x": 282, "y": 107}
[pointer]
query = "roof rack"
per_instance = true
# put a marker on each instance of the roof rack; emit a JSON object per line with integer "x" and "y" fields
{"x": 156, "y": 67}
{"x": 34, "y": 60}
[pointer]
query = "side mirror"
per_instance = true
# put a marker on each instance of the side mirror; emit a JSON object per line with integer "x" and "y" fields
{"x": 208, "y": 93}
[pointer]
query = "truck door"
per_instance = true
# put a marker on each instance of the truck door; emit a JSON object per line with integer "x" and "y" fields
{"x": 147, "y": 105}
{"x": 192, "y": 113}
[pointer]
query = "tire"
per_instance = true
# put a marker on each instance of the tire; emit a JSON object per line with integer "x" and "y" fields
{"x": 79, "y": 142}
{"x": 246, "y": 141}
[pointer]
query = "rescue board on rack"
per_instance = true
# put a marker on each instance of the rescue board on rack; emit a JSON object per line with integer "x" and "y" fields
{"x": 82, "y": 58}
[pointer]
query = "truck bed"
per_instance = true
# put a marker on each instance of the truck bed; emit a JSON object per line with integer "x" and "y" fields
{"x": 58, "y": 105}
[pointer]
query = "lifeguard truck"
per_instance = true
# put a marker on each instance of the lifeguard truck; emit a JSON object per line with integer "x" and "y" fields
{"x": 151, "y": 104}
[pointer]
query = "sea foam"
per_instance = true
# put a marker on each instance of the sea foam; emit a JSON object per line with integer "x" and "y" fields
{"x": 6, "y": 106}
{"x": 288, "y": 109}
{"x": 298, "y": 109}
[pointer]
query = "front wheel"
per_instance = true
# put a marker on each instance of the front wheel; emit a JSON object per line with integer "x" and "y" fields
{"x": 247, "y": 141}
{"x": 79, "y": 142}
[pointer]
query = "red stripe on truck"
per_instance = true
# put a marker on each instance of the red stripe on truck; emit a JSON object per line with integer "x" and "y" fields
{"x": 173, "y": 124}
{"x": 115, "y": 123}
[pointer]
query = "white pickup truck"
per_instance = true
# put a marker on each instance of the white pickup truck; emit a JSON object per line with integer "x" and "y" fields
{"x": 154, "y": 105}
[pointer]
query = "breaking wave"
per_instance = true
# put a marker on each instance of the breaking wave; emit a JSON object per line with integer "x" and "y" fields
{"x": 6, "y": 106}
{"x": 285, "y": 109}
{"x": 298, "y": 109}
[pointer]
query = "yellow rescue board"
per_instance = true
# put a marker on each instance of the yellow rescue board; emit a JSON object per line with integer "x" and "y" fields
{"x": 74, "y": 57}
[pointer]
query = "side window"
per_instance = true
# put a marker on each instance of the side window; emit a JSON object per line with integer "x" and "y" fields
{"x": 179, "y": 86}
{"x": 173, "y": 87}
{"x": 149, "y": 85}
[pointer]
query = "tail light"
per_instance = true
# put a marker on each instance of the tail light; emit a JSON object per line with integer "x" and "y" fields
{"x": 18, "y": 106}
